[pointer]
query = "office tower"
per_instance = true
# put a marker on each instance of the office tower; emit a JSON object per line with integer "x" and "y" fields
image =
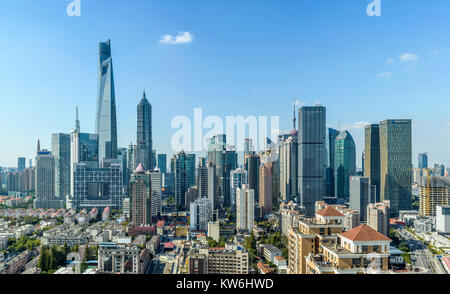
{"x": 344, "y": 164}
{"x": 105, "y": 123}
{"x": 202, "y": 179}
{"x": 61, "y": 153}
{"x": 202, "y": 161}
{"x": 251, "y": 163}
{"x": 330, "y": 145}
{"x": 30, "y": 163}
{"x": 311, "y": 156}
{"x": 45, "y": 182}
{"x": 21, "y": 164}
{"x": 238, "y": 177}
{"x": 432, "y": 193}
{"x": 439, "y": 170}
{"x": 443, "y": 219}
{"x": 191, "y": 195}
{"x": 144, "y": 131}
{"x": 245, "y": 209}
{"x": 216, "y": 155}
{"x": 200, "y": 214}
{"x": 248, "y": 146}
{"x": 378, "y": 215}
{"x": 213, "y": 194}
{"x": 140, "y": 194}
{"x": 156, "y": 184}
{"x": 153, "y": 159}
{"x": 131, "y": 158}
{"x": 122, "y": 158}
{"x": 265, "y": 189}
{"x": 276, "y": 181}
{"x": 363, "y": 160}
{"x": 230, "y": 164}
{"x": 360, "y": 196}
{"x": 97, "y": 187}
{"x": 181, "y": 184}
{"x": 396, "y": 164}
{"x": 289, "y": 168}
{"x": 162, "y": 163}
{"x": 190, "y": 170}
{"x": 372, "y": 156}
{"x": 423, "y": 160}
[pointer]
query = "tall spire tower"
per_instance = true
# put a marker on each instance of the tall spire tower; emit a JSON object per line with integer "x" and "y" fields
{"x": 106, "y": 124}
{"x": 144, "y": 132}
{"x": 39, "y": 145}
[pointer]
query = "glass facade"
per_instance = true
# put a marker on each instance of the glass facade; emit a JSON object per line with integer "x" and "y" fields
{"x": 344, "y": 164}
{"x": 61, "y": 154}
{"x": 372, "y": 157}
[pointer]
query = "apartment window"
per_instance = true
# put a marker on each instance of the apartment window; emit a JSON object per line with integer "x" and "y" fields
{"x": 375, "y": 248}
{"x": 364, "y": 248}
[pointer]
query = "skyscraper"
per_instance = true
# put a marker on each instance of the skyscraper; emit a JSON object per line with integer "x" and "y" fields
{"x": 396, "y": 164}
{"x": 360, "y": 196}
{"x": 141, "y": 197}
{"x": 162, "y": 163}
{"x": 61, "y": 153}
{"x": 265, "y": 189}
{"x": 245, "y": 209}
{"x": 105, "y": 123}
{"x": 181, "y": 184}
{"x": 238, "y": 177}
{"x": 311, "y": 156}
{"x": 344, "y": 165}
{"x": 190, "y": 170}
{"x": 21, "y": 164}
{"x": 45, "y": 183}
{"x": 252, "y": 162}
{"x": 330, "y": 143}
{"x": 202, "y": 179}
{"x": 200, "y": 214}
{"x": 372, "y": 156}
{"x": 423, "y": 160}
{"x": 156, "y": 182}
{"x": 213, "y": 194}
{"x": 289, "y": 168}
{"x": 144, "y": 131}
{"x": 230, "y": 164}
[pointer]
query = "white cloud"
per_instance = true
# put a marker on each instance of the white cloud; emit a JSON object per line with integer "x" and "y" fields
{"x": 390, "y": 61}
{"x": 355, "y": 126}
{"x": 408, "y": 57}
{"x": 384, "y": 75}
{"x": 300, "y": 103}
{"x": 181, "y": 38}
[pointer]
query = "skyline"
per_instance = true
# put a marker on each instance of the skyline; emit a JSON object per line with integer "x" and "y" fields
{"x": 173, "y": 63}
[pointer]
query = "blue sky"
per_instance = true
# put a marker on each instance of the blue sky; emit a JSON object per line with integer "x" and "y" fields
{"x": 247, "y": 57}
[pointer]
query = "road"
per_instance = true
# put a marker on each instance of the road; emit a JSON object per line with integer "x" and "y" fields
{"x": 420, "y": 255}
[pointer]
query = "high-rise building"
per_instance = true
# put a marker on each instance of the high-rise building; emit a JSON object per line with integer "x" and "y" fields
{"x": 396, "y": 164}
{"x": 21, "y": 164}
{"x": 190, "y": 170}
{"x": 433, "y": 193}
{"x": 238, "y": 178}
{"x": 202, "y": 179}
{"x": 213, "y": 194}
{"x": 45, "y": 182}
{"x": 265, "y": 189}
{"x": 423, "y": 160}
{"x": 372, "y": 156}
{"x": 216, "y": 155}
{"x": 439, "y": 170}
{"x": 181, "y": 184}
{"x": 252, "y": 162}
{"x": 378, "y": 215}
{"x": 122, "y": 158}
{"x": 105, "y": 123}
{"x": 144, "y": 132}
{"x": 140, "y": 193}
{"x": 200, "y": 214}
{"x": 360, "y": 196}
{"x": 162, "y": 163}
{"x": 289, "y": 168}
{"x": 344, "y": 165}
{"x": 156, "y": 184}
{"x": 330, "y": 145}
{"x": 311, "y": 156}
{"x": 443, "y": 219}
{"x": 61, "y": 153}
{"x": 245, "y": 209}
{"x": 230, "y": 164}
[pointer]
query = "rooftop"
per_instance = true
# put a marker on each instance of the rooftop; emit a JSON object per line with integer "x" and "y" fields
{"x": 364, "y": 233}
{"x": 329, "y": 211}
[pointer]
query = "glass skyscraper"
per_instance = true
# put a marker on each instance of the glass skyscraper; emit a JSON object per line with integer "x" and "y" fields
{"x": 423, "y": 160}
{"x": 331, "y": 138}
{"x": 311, "y": 156}
{"x": 396, "y": 164}
{"x": 344, "y": 165}
{"x": 105, "y": 124}
{"x": 372, "y": 157}
{"x": 61, "y": 154}
{"x": 144, "y": 132}
{"x": 162, "y": 163}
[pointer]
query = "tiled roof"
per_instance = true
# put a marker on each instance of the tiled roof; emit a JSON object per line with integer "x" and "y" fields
{"x": 364, "y": 233}
{"x": 329, "y": 211}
